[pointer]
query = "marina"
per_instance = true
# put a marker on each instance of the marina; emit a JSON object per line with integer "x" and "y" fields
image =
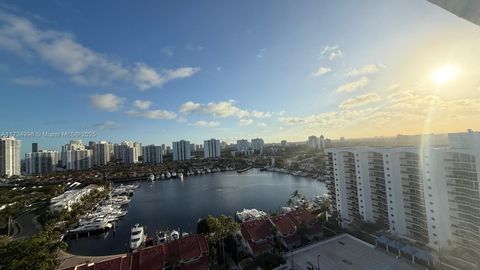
{"x": 162, "y": 207}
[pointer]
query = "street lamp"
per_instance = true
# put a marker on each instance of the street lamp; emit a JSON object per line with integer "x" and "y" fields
{"x": 318, "y": 261}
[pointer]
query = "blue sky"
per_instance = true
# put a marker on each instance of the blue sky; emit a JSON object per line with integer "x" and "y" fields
{"x": 157, "y": 71}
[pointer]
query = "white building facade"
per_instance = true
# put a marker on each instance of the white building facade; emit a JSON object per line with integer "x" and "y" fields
{"x": 211, "y": 148}
{"x": 76, "y": 157}
{"x": 429, "y": 195}
{"x": 10, "y": 156}
{"x": 181, "y": 150}
{"x": 152, "y": 154}
{"x": 257, "y": 145}
{"x": 41, "y": 162}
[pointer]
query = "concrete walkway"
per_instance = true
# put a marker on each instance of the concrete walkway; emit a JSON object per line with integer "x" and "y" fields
{"x": 68, "y": 260}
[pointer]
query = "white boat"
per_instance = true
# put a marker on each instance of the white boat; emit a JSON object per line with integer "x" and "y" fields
{"x": 174, "y": 174}
{"x": 180, "y": 175}
{"x": 162, "y": 176}
{"x": 184, "y": 234}
{"x": 162, "y": 237}
{"x": 168, "y": 175}
{"x": 151, "y": 177}
{"x": 137, "y": 236}
{"x": 174, "y": 235}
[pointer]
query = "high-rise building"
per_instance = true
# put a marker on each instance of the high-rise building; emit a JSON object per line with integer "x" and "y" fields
{"x": 243, "y": 146}
{"x": 283, "y": 143}
{"x": 428, "y": 194}
{"x": 34, "y": 147}
{"x": 75, "y": 156}
{"x": 128, "y": 152}
{"x": 313, "y": 142}
{"x": 152, "y": 154}
{"x": 41, "y": 162}
{"x": 257, "y": 145}
{"x": 10, "y": 156}
{"x": 138, "y": 149}
{"x": 211, "y": 148}
{"x": 102, "y": 153}
{"x": 181, "y": 150}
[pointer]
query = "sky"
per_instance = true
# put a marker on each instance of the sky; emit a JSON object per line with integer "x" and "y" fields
{"x": 159, "y": 71}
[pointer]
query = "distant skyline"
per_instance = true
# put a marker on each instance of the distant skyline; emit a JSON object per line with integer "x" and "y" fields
{"x": 157, "y": 72}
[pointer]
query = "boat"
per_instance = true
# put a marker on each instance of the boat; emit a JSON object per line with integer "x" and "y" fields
{"x": 162, "y": 237}
{"x": 169, "y": 175}
{"x": 137, "y": 236}
{"x": 174, "y": 174}
{"x": 162, "y": 176}
{"x": 185, "y": 234}
{"x": 174, "y": 235}
{"x": 180, "y": 175}
{"x": 151, "y": 177}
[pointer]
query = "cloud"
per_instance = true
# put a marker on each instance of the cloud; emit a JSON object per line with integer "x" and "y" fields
{"x": 245, "y": 122}
{"x": 321, "y": 71}
{"x": 107, "y": 102}
{"x": 261, "y": 52}
{"x": 221, "y": 109}
{"x": 81, "y": 64}
{"x": 206, "y": 124}
{"x": 146, "y": 77}
{"x": 30, "y": 81}
{"x": 360, "y": 100}
{"x": 142, "y": 104}
{"x": 105, "y": 125}
{"x": 167, "y": 50}
{"x": 393, "y": 88}
{"x": 153, "y": 114}
{"x": 332, "y": 52}
{"x": 261, "y": 124}
{"x": 352, "y": 86}
{"x": 365, "y": 70}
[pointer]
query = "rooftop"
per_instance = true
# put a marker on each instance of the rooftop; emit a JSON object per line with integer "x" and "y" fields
{"x": 345, "y": 252}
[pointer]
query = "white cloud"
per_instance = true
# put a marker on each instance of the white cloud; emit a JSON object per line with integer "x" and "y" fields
{"x": 105, "y": 125}
{"x": 261, "y": 124}
{"x": 221, "y": 109}
{"x": 206, "y": 124}
{"x": 142, "y": 104}
{"x": 167, "y": 50}
{"x": 352, "y": 86}
{"x": 332, "y": 52}
{"x": 83, "y": 65}
{"x": 365, "y": 70}
{"x": 30, "y": 81}
{"x": 393, "y": 88}
{"x": 245, "y": 122}
{"x": 321, "y": 71}
{"x": 107, "y": 102}
{"x": 153, "y": 114}
{"x": 146, "y": 77}
{"x": 360, "y": 100}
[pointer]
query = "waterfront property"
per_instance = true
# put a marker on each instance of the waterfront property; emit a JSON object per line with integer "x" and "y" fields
{"x": 189, "y": 252}
{"x": 71, "y": 197}
{"x": 167, "y": 205}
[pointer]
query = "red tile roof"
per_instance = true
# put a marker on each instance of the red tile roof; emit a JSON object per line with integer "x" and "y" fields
{"x": 261, "y": 247}
{"x": 255, "y": 230}
{"x": 292, "y": 240}
{"x": 301, "y": 216}
{"x": 192, "y": 246}
{"x": 285, "y": 225}
{"x": 201, "y": 264}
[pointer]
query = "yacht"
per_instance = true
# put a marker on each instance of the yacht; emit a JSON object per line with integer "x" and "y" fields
{"x": 180, "y": 175}
{"x": 162, "y": 176}
{"x": 174, "y": 235}
{"x": 151, "y": 177}
{"x": 137, "y": 236}
{"x": 162, "y": 237}
{"x": 174, "y": 174}
{"x": 168, "y": 175}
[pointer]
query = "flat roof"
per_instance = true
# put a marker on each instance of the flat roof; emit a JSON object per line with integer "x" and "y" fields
{"x": 345, "y": 252}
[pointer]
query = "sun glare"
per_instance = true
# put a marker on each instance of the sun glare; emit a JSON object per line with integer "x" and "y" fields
{"x": 444, "y": 74}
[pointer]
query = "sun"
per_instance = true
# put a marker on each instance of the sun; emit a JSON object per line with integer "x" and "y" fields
{"x": 444, "y": 74}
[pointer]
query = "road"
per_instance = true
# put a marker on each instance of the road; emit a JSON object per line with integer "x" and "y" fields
{"x": 26, "y": 225}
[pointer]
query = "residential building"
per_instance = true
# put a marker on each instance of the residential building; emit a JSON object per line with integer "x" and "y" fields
{"x": 152, "y": 154}
{"x": 317, "y": 142}
{"x": 76, "y": 157}
{"x": 257, "y": 236}
{"x": 181, "y": 150}
{"x": 41, "y": 162}
{"x": 243, "y": 146}
{"x": 257, "y": 145}
{"x": 34, "y": 147}
{"x": 428, "y": 194}
{"x": 10, "y": 156}
{"x": 102, "y": 153}
{"x": 65, "y": 201}
{"x": 211, "y": 148}
{"x": 283, "y": 143}
{"x": 128, "y": 152}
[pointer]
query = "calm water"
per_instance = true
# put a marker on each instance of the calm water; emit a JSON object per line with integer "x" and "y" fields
{"x": 171, "y": 204}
